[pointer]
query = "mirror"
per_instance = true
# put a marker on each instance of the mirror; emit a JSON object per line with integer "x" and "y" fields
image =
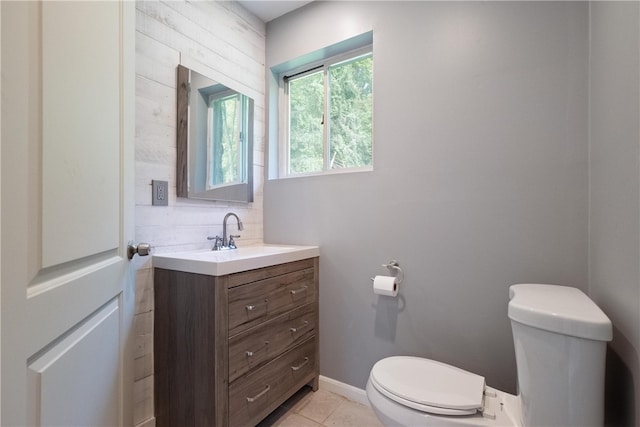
{"x": 214, "y": 140}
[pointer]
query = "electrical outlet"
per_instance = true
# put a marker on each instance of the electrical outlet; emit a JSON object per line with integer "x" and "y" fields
{"x": 159, "y": 193}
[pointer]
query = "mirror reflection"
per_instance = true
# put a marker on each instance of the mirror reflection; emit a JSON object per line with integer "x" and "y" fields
{"x": 215, "y": 140}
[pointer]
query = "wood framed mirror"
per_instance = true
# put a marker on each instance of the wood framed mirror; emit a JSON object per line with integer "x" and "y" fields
{"x": 214, "y": 140}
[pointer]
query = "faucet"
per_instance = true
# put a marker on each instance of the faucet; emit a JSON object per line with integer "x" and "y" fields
{"x": 223, "y": 243}
{"x": 228, "y": 243}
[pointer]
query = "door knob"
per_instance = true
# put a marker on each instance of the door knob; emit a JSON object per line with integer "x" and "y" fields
{"x": 142, "y": 249}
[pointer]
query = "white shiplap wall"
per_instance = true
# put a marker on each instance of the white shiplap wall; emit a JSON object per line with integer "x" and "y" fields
{"x": 230, "y": 40}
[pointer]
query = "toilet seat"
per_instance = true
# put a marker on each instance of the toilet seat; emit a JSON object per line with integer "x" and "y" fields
{"x": 428, "y": 386}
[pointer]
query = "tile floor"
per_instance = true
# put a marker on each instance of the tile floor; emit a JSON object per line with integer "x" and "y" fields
{"x": 320, "y": 409}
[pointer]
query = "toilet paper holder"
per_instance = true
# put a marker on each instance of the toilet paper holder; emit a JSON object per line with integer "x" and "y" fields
{"x": 394, "y": 270}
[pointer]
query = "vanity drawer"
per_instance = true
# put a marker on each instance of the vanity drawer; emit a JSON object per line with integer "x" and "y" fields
{"x": 262, "y": 343}
{"x": 257, "y": 302}
{"x": 251, "y": 398}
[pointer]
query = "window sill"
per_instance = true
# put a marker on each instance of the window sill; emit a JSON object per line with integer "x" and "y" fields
{"x": 325, "y": 173}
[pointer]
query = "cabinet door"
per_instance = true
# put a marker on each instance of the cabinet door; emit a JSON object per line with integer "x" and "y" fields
{"x": 67, "y": 200}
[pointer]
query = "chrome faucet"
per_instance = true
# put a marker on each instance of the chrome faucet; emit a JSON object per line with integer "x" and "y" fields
{"x": 228, "y": 242}
{"x": 224, "y": 242}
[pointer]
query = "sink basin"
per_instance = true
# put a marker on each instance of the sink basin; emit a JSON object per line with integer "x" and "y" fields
{"x": 219, "y": 263}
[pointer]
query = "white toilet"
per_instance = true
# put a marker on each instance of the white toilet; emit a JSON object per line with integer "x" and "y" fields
{"x": 560, "y": 340}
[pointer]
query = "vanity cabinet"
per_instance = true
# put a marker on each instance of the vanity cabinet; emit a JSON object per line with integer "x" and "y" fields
{"x": 228, "y": 350}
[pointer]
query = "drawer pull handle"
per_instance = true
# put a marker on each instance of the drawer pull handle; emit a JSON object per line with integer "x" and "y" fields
{"x": 252, "y": 307}
{"x": 304, "y": 325}
{"x": 259, "y": 395}
{"x": 297, "y": 291}
{"x": 300, "y": 366}
{"x": 252, "y": 353}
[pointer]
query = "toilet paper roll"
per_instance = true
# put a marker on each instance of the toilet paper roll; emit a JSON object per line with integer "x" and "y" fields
{"x": 385, "y": 285}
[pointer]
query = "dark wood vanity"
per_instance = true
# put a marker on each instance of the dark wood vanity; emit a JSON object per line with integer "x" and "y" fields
{"x": 230, "y": 349}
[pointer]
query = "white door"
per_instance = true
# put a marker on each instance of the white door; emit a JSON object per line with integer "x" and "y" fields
{"x": 66, "y": 284}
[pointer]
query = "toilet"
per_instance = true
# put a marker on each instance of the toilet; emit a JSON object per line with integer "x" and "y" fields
{"x": 560, "y": 340}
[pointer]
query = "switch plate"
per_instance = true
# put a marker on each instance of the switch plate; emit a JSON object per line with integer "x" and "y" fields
{"x": 159, "y": 193}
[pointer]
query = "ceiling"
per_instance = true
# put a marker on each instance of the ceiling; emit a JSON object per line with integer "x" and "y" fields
{"x": 268, "y": 9}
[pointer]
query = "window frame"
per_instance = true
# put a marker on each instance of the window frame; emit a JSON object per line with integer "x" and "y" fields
{"x": 284, "y": 107}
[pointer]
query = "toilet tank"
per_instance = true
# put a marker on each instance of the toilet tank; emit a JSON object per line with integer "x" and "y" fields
{"x": 560, "y": 340}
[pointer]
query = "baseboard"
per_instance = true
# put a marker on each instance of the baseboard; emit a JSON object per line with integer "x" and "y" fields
{"x": 345, "y": 390}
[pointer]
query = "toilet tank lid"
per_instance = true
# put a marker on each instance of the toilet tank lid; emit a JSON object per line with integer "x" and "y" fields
{"x": 561, "y": 309}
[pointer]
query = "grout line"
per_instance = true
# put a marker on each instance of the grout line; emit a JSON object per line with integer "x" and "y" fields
{"x": 345, "y": 402}
{"x": 313, "y": 421}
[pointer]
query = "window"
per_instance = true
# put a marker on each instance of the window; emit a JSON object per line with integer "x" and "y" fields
{"x": 227, "y": 129}
{"x": 329, "y": 115}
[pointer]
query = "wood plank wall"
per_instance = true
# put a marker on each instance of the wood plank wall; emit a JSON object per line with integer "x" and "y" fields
{"x": 224, "y": 37}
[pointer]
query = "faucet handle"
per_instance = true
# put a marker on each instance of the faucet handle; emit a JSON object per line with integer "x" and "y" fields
{"x": 232, "y": 243}
{"x": 217, "y": 243}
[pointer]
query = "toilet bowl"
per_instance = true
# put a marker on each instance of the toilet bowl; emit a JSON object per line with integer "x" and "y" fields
{"x": 560, "y": 341}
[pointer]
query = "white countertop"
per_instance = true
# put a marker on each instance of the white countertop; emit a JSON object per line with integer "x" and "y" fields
{"x": 220, "y": 263}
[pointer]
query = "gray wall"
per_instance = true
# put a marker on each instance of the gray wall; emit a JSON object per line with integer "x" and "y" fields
{"x": 615, "y": 196}
{"x": 480, "y": 178}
